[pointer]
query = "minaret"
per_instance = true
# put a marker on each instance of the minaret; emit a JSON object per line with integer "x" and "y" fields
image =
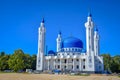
{"x": 89, "y": 34}
{"x": 96, "y": 42}
{"x": 59, "y": 40}
{"x": 90, "y": 44}
{"x": 41, "y": 47}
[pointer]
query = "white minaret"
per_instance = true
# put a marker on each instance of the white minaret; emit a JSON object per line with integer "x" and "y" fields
{"x": 41, "y": 47}
{"x": 89, "y": 34}
{"x": 59, "y": 40}
{"x": 90, "y": 44}
{"x": 96, "y": 42}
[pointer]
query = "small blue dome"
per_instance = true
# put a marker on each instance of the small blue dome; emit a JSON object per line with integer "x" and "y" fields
{"x": 51, "y": 52}
{"x": 71, "y": 42}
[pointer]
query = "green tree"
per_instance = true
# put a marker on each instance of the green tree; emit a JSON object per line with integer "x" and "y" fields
{"x": 27, "y": 61}
{"x": 111, "y": 64}
{"x": 2, "y": 54}
{"x": 107, "y": 61}
{"x": 4, "y": 61}
{"x": 16, "y": 61}
{"x": 33, "y": 59}
{"x": 116, "y": 64}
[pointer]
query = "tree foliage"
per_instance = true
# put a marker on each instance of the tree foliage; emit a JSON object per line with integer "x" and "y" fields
{"x": 16, "y": 61}
{"x": 33, "y": 57}
{"x": 111, "y": 64}
{"x": 3, "y": 61}
{"x": 116, "y": 64}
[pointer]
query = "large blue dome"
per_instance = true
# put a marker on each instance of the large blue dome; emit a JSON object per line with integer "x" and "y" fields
{"x": 72, "y": 42}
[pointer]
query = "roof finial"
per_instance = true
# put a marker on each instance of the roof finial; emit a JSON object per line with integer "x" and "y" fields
{"x": 89, "y": 12}
{"x": 43, "y": 20}
{"x": 60, "y": 32}
{"x": 96, "y": 28}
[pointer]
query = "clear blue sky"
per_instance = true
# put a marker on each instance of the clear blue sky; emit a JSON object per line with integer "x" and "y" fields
{"x": 20, "y": 19}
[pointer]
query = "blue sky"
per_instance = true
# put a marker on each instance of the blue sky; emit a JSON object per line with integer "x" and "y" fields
{"x": 20, "y": 19}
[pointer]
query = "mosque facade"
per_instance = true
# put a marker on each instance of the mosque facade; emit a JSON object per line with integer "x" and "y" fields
{"x": 69, "y": 55}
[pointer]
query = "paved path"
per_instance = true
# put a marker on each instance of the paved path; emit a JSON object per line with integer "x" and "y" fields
{"x": 20, "y": 76}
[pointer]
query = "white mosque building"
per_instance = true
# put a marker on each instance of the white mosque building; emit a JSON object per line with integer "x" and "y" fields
{"x": 69, "y": 55}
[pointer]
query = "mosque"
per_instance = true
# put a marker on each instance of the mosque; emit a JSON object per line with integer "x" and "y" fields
{"x": 69, "y": 55}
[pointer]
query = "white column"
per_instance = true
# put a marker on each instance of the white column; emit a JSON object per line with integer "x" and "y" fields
{"x": 67, "y": 62}
{"x": 73, "y": 65}
{"x": 80, "y": 64}
{"x": 48, "y": 65}
{"x": 54, "y": 63}
{"x": 60, "y": 64}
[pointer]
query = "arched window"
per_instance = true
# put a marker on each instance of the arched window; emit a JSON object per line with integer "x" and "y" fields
{"x": 76, "y": 50}
{"x": 58, "y": 66}
{"x": 83, "y": 60}
{"x": 72, "y": 49}
{"x": 77, "y": 66}
{"x": 83, "y": 66}
{"x": 72, "y": 60}
{"x": 65, "y": 60}
{"x": 65, "y": 67}
{"x": 77, "y": 59}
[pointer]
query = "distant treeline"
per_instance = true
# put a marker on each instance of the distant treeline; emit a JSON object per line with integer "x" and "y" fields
{"x": 22, "y": 61}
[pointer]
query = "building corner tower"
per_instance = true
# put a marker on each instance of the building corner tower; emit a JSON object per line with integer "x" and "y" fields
{"x": 96, "y": 42}
{"x": 59, "y": 40}
{"x": 41, "y": 47}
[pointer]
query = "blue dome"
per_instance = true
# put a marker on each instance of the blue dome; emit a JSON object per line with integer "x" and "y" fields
{"x": 51, "y": 52}
{"x": 71, "y": 42}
